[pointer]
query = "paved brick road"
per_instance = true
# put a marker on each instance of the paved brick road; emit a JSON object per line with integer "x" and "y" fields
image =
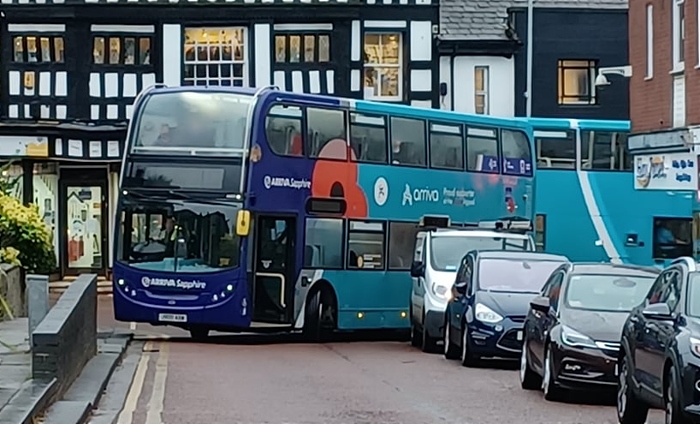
{"x": 277, "y": 379}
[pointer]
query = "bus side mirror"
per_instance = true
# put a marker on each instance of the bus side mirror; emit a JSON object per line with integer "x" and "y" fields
{"x": 243, "y": 223}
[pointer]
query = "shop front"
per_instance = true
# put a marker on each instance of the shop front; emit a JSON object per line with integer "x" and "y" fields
{"x": 72, "y": 176}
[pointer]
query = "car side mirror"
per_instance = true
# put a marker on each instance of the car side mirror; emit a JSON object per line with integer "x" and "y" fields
{"x": 540, "y": 303}
{"x": 658, "y": 311}
{"x": 460, "y": 287}
{"x": 417, "y": 269}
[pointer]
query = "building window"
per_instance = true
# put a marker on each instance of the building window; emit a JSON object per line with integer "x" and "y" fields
{"x": 540, "y": 223}
{"x": 383, "y": 66}
{"x": 315, "y": 47}
{"x": 577, "y": 82}
{"x": 678, "y": 96}
{"x": 481, "y": 90}
{"x": 121, "y": 50}
{"x": 215, "y": 56}
{"x": 678, "y": 35}
{"x": 38, "y": 49}
{"x": 650, "y": 41}
{"x": 672, "y": 238}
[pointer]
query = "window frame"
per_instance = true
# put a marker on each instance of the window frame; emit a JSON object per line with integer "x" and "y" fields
{"x": 496, "y": 139}
{"x": 486, "y": 78}
{"x": 388, "y": 231}
{"x": 650, "y": 41}
{"x": 306, "y": 142}
{"x": 540, "y": 217}
{"x": 371, "y": 65}
{"x": 462, "y": 133}
{"x": 559, "y": 161}
{"x": 346, "y": 253}
{"x": 245, "y": 61}
{"x": 286, "y": 47}
{"x": 591, "y": 68}
{"x": 343, "y": 228}
{"x": 678, "y": 36}
{"x": 302, "y": 120}
{"x": 387, "y": 135}
{"x": 122, "y": 36}
{"x": 390, "y": 141}
{"x": 24, "y": 36}
{"x": 665, "y": 219}
{"x": 503, "y": 154}
{"x": 622, "y": 147}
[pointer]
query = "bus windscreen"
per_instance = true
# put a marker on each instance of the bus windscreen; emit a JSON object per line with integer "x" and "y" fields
{"x": 182, "y": 121}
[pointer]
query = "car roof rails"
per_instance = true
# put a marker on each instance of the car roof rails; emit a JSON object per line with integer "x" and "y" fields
{"x": 687, "y": 260}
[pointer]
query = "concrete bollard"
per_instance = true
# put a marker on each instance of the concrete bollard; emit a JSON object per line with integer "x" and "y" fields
{"x": 37, "y": 299}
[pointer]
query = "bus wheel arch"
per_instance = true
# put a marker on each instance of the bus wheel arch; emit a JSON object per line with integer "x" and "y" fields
{"x": 321, "y": 311}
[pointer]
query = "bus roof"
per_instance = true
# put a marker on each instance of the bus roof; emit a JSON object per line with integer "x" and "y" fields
{"x": 363, "y": 105}
{"x": 583, "y": 124}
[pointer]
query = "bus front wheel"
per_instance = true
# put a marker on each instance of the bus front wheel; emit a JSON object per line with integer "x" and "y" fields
{"x": 199, "y": 333}
{"x": 318, "y": 320}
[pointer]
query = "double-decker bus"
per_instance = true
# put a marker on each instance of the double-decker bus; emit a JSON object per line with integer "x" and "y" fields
{"x": 259, "y": 210}
{"x": 587, "y": 205}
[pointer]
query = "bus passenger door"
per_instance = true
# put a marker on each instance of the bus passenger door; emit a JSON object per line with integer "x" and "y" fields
{"x": 273, "y": 270}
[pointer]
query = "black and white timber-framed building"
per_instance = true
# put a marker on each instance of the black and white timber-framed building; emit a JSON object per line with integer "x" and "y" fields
{"x": 71, "y": 70}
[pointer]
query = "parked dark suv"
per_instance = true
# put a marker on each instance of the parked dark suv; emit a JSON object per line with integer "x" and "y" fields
{"x": 659, "y": 363}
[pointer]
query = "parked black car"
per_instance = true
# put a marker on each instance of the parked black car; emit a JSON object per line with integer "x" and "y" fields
{"x": 659, "y": 362}
{"x": 572, "y": 330}
{"x": 490, "y": 298}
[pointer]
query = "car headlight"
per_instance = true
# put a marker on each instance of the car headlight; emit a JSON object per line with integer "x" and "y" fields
{"x": 695, "y": 346}
{"x": 573, "y": 338}
{"x": 485, "y": 314}
{"x": 440, "y": 290}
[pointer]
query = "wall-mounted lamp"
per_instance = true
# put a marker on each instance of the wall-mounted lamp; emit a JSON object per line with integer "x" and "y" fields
{"x": 601, "y": 80}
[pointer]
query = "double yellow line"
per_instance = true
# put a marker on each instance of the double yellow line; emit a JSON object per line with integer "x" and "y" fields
{"x": 154, "y": 414}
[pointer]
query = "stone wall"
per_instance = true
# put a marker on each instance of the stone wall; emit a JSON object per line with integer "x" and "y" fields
{"x": 12, "y": 290}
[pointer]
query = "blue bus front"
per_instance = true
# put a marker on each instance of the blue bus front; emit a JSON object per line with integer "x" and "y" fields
{"x": 588, "y": 206}
{"x": 179, "y": 259}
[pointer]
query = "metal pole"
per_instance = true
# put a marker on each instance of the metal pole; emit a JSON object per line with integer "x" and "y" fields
{"x": 528, "y": 88}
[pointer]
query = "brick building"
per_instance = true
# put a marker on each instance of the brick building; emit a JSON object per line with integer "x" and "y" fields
{"x": 663, "y": 51}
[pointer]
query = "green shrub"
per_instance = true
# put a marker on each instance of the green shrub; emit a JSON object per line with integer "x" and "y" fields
{"x": 24, "y": 237}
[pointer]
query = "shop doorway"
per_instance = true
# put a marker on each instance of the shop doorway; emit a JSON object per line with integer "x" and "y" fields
{"x": 83, "y": 221}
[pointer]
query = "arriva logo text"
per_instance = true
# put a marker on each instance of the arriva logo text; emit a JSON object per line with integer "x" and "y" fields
{"x": 285, "y": 182}
{"x": 419, "y": 195}
{"x": 171, "y": 282}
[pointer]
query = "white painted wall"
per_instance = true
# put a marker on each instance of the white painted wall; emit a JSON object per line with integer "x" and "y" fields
{"x": 501, "y": 84}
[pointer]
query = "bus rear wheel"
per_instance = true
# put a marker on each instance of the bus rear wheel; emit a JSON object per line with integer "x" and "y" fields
{"x": 319, "y": 321}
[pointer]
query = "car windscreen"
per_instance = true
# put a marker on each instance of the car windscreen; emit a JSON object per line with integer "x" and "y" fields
{"x": 447, "y": 251}
{"x": 610, "y": 293}
{"x": 514, "y": 275}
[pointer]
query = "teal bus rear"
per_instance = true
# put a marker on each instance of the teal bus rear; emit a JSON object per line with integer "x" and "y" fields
{"x": 589, "y": 205}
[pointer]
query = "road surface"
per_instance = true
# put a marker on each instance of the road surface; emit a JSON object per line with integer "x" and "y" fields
{"x": 279, "y": 379}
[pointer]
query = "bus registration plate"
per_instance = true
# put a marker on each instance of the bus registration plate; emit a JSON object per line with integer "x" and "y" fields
{"x": 172, "y": 317}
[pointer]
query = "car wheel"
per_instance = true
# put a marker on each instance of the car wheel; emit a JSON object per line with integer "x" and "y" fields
{"x": 674, "y": 413}
{"x": 529, "y": 380}
{"x": 450, "y": 350}
{"x": 428, "y": 344}
{"x": 549, "y": 380}
{"x": 415, "y": 335}
{"x": 630, "y": 410}
{"x": 468, "y": 358}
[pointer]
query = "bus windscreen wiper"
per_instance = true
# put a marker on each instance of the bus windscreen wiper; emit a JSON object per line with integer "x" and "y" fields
{"x": 184, "y": 196}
